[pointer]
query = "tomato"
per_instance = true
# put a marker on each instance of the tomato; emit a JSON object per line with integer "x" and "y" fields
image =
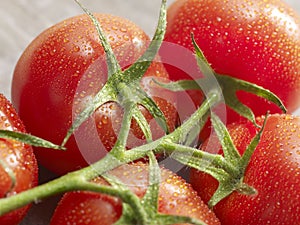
{"x": 62, "y": 69}
{"x": 273, "y": 171}
{"x": 175, "y": 197}
{"x": 253, "y": 40}
{"x": 17, "y": 158}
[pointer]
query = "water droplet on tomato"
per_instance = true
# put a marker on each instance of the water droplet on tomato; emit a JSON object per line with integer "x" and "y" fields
{"x": 104, "y": 120}
{"x": 288, "y": 153}
{"x": 123, "y": 29}
{"x": 76, "y": 48}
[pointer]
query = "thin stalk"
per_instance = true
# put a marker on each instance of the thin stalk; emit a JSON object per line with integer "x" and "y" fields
{"x": 229, "y": 149}
{"x": 124, "y": 131}
{"x": 126, "y": 196}
{"x": 215, "y": 160}
{"x": 59, "y": 185}
{"x": 68, "y": 182}
{"x": 127, "y": 101}
{"x": 150, "y": 199}
{"x": 182, "y": 131}
{"x": 146, "y": 59}
{"x": 112, "y": 62}
{"x": 143, "y": 123}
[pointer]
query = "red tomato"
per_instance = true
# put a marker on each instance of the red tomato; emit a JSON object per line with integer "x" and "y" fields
{"x": 273, "y": 171}
{"x": 176, "y": 197}
{"x": 253, "y": 40}
{"x": 18, "y": 158}
{"x": 62, "y": 69}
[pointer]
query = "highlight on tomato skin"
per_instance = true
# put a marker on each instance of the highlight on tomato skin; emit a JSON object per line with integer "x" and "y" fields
{"x": 176, "y": 197}
{"x": 253, "y": 40}
{"x": 66, "y": 66}
{"x": 17, "y": 158}
{"x": 273, "y": 171}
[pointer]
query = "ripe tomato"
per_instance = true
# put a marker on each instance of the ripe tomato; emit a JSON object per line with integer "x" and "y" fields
{"x": 62, "y": 69}
{"x": 175, "y": 197}
{"x": 254, "y": 40}
{"x": 273, "y": 171}
{"x": 18, "y": 158}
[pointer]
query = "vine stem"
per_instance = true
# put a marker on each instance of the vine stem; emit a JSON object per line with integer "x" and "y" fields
{"x": 181, "y": 153}
{"x": 120, "y": 145}
{"x": 126, "y": 196}
{"x": 73, "y": 181}
{"x": 78, "y": 180}
{"x": 69, "y": 182}
{"x": 181, "y": 132}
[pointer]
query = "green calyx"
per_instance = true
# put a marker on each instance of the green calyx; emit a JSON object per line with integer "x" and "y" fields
{"x": 228, "y": 83}
{"x": 229, "y": 169}
{"x": 120, "y": 82}
{"x": 234, "y": 182}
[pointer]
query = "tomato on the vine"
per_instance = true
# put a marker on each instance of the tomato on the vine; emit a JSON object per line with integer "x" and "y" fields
{"x": 18, "y": 166}
{"x": 62, "y": 69}
{"x": 253, "y": 40}
{"x": 176, "y": 197}
{"x": 273, "y": 171}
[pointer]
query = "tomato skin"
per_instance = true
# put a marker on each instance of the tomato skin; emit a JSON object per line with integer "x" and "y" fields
{"x": 273, "y": 171}
{"x": 254, "y": 40}
{"x": 19, "y": 158}
{"x": 63, "y": 68}
{"x": 175, "y": 197}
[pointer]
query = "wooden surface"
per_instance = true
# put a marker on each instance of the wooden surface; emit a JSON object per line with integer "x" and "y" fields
{"x": 22, "y": 20}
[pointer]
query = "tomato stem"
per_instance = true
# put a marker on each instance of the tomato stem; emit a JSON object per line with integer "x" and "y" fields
{"x": 74, "y": 180}
{"x": 129, "y": 77}
{"x": 122, "y": 192}
{"x": 68, "y": 182}
{"x": 128, "y": 105}
{"x": 182, "y": 131}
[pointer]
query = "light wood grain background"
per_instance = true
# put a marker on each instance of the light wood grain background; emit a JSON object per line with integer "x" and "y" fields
{"x": 22, "y": 20}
